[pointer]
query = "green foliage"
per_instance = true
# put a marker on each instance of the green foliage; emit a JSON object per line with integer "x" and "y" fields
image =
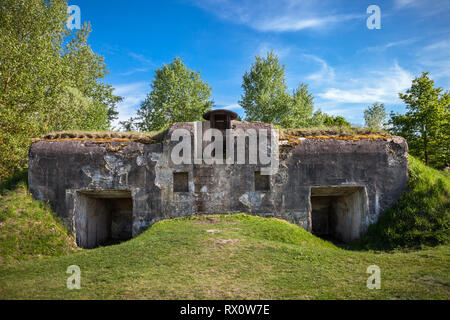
{"x": 29, "y": 228}
{"x": 48, "y": 78}
{"x": 375, "y": 116}
{"x": 335, "y": 121}
{"x": 266, "y": 98}
{"x": 83, "y": 114}
{"x": 300, "y": 112}
{"x": 426, "y": 124}
{"x": 178, "y": 95}
{"x": 265, "y": 91}
{"x": 420, "y": 217}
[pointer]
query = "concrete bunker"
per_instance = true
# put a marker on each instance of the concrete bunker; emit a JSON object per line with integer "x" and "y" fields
{"x": 338, "y": 212}
{"x": 350, "y": 179}
{"x": 103, "y": 217}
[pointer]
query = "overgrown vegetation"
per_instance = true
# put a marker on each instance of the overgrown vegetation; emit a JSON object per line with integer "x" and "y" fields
{"x": 49, "y": 79}
{"x": 143, "y": 137}
{"x": 420, "y": 218}
{"x": 338, "y": 131}
{"x": 426, "y": 124}
{"x": 157, "y": 136}
{"x": 28, "y": 228}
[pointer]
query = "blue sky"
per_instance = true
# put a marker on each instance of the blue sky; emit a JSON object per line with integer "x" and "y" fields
{"x": 324, "y": 43}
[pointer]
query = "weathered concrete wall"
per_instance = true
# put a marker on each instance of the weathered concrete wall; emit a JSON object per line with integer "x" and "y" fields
{"x": 59, "y": 170}
{"x": 381, "y": 166}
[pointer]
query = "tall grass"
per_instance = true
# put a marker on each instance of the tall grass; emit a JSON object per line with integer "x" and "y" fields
{"x": 29, "y": 228}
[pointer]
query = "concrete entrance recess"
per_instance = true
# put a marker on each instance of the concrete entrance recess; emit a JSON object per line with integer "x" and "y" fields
{"x": 102, "y": 217}
{"x": 339, "y": 212}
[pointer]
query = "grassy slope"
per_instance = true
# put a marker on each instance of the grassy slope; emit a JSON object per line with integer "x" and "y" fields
{"x": 420, "y": 217}
{"x": 29, "y": 229}
{"x": 229, "y": 257}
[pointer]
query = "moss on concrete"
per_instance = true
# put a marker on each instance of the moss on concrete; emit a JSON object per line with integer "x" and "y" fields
{"x": 104, "y": 136}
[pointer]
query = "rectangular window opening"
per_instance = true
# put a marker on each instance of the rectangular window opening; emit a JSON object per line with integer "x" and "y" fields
{"x": 180, "y": 182}
{"x": 262, "y": 182}
{"x": 221, "y": 122}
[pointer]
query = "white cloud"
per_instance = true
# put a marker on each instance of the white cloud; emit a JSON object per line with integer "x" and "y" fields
{"x": 391, "y": 44}
{"x": 436, "y": 59}
{"x": 233, "y": 107}
{"x": 325, "y": 74}
{"x": 424, "y": 8}
{"x": 406, "y": 3}
{"x": 133, "y": 71}
{"x": 279, "y": 16}
{"x": 141, "y": 58}
{"x": 145, "y": 64}
{"x": 296, "y": 23}
{"x": 440, "y": 45}
{"x": 375, "y": 86}
{"x": 280, "y": 51}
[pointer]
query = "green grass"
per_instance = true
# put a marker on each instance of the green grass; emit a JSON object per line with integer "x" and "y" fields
{"x": 420, "y": 217}
{"x": 230, "y": 257}
{"x": 29, "y": 228}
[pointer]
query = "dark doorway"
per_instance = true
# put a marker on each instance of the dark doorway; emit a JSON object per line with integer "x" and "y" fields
{"x": 337, "y": 213}
{"x": 103, "y": 217}
{"x": 323, "y": 215}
